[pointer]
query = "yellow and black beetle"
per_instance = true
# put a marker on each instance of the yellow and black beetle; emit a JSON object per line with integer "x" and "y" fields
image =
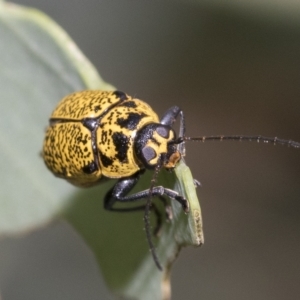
{"x": 95, "y": 135}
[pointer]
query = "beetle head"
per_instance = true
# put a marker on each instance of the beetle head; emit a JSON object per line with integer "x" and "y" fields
{"x": 155, "y": 142}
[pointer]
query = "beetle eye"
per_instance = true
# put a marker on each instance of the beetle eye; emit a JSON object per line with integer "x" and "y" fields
{"x": 162, "y": 131}
{"x": 148, "y": 153}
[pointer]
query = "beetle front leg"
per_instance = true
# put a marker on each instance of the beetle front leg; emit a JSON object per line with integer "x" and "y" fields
{"x": 120, "y": 190}
{"x": 119, "y": 194}
{"x": 125, "y": 185}
{"x": 171, "y": 116}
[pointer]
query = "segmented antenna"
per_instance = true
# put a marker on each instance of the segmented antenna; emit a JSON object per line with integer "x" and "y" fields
{"x": 147, "y": 215}
{"x": 257, "y": 138}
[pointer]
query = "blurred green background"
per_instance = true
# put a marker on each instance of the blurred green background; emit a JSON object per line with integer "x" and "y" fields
{"x": 234, "y": 68}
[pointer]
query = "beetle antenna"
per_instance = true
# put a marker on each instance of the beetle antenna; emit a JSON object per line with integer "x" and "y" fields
{"x": 257, "y": 138}
{"x": 147, "y": 215}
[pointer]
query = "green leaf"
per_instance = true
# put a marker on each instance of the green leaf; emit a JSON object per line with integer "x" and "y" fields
{"x": 119, "y": 242}
{"x": 39, "y": 64}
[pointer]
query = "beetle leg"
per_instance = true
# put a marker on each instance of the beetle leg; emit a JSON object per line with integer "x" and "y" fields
{"x": 122, "y": 188}
{"x": 125, "y": 185}
{"x": 171, "y": 116}
{"x": 119, "y": 194}
{"x": 119, "y": 191}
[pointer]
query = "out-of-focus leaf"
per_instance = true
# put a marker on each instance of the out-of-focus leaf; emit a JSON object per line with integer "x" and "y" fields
{"x": 39, "y": 65}
{"x": 119, "y": 241}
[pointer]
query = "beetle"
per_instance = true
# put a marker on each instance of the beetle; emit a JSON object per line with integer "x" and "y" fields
{"x": 95, "y": 135}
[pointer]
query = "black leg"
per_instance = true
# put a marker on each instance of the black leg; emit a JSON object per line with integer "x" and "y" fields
{"x": 125, "y": 185}
{"x": 171, "y": 116}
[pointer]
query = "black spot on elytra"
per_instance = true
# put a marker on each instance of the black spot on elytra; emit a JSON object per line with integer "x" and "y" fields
{"x": 121, "y": 142}
{"x": 110, "y": 118}
{"x": 131, "y": 122}
{"x": 106, "y": 161}
{"x": 81, "y": 140}
{"x": 96, "y": 108}
{"x": 90, "y": 168}
{"x": 104, "y": 137}
{"x": 131, "y": 104}
{"x": 122, "y": 96}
